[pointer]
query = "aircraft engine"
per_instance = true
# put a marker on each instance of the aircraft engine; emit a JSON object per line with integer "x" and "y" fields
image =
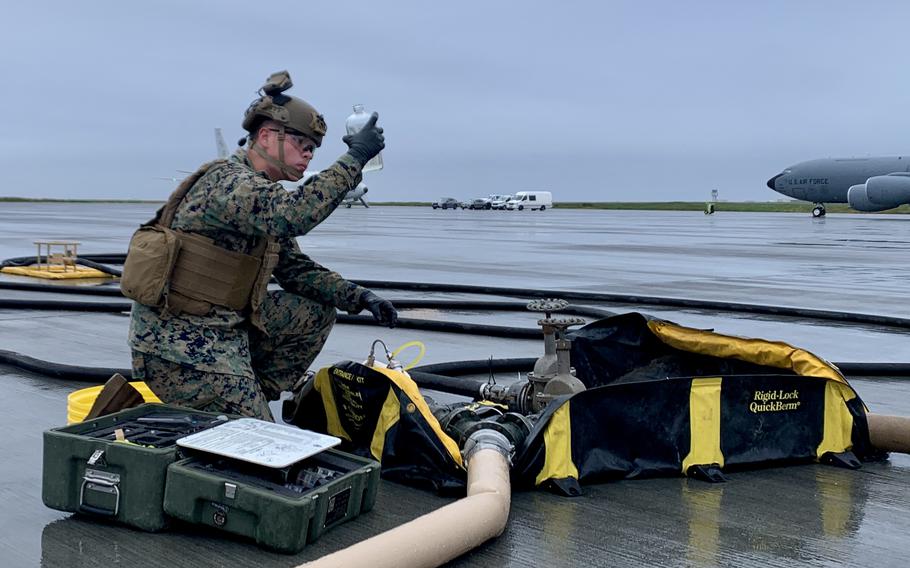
{"x": 888, "y": 191}
{"x": 856, "y": 197}
{"x": 880, "y": 193}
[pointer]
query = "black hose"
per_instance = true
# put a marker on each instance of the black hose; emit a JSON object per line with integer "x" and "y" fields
{"x": 846, "y": 317}
{"x": 449, "y": 327}
{"x": 404, "y": 323}
{"x": 449, "y": 377}
{"x": 98, "y": 375}
{"x": 856, "y": 369}
{"x": 525, "y": 364}
{"x": 495, "y": 307}
{"x": 65, "y": 306}
{"x": 446, "y": 377}
{"x": 101, "y": 267}
{"x": 478, "y": 366}
{"x": 451, "y": 385}
{"x": 785, "y": 311}
{"x": 108, "y": 258}
{"x": 60, "y": 370}
{"x": 62, "y": 289}
{"x": 863, "y": 369}
{"x": 850, "y": 370}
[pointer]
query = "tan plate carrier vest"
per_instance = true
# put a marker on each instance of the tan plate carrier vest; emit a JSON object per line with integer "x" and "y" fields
{"x": 187, "y": 273}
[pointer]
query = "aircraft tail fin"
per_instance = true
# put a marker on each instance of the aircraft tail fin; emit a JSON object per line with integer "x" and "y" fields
{"x": 220, "y": 145}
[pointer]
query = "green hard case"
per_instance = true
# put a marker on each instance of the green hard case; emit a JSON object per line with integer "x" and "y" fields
{"x": 86, "y": 471}
{"x": 260, "y": 502}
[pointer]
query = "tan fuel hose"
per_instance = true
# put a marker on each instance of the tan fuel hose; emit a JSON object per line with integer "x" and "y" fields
{"x": 889, "y": 433}
{"x": 448, "y": 532}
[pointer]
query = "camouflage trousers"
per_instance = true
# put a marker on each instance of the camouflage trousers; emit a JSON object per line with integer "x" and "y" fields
{"x": 297, "y": 329}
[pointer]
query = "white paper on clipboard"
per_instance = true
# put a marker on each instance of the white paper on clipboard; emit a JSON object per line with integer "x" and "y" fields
{"x": 259, "y": 442}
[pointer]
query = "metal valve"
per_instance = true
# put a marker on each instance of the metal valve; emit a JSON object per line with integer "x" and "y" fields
{"x": 547, "y": 305}
{"x": 553, "y": 375}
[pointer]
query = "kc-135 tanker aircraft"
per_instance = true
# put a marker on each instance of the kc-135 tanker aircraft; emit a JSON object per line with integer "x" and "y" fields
{"x": 867, "y": 184}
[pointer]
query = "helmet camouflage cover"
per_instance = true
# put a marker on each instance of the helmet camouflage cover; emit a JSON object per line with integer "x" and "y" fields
{"x": 294, "y": 114}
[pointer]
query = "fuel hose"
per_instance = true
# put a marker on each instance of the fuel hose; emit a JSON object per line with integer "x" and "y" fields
{"x": 449, "y": 376}
{"x": 588, "y": 297}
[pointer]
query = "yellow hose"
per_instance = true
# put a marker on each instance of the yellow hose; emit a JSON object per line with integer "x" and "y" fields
{"x": 419, "y": 345}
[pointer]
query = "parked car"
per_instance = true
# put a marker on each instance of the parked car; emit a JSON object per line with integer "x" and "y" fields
{"x": 530, "y": 200}
{"x": 479, "y": 203}
{"x": 499, "y": 202}
{"x": 448, "y": 203}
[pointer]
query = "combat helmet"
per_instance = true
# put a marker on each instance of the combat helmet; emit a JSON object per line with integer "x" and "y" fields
{"x": 294, "y": 114}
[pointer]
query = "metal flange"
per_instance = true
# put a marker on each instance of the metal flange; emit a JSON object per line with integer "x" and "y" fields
{"x": 561, "y": 322}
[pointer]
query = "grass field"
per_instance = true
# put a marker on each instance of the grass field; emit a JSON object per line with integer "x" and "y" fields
{"x": 39, "y": 200}
{"x": 748, "y": 206}
{"x": 720, "y": 206}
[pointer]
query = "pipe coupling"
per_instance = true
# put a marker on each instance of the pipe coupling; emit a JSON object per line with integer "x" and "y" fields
{"x": 487, "y": 439}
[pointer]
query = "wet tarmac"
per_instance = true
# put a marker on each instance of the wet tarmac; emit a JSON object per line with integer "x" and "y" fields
{"x": 806, "y": 515}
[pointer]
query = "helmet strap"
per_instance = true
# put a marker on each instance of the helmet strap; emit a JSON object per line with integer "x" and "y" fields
{"x": 285, "y": 168}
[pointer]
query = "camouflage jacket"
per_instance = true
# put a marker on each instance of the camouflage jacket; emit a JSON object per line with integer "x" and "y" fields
{"x": 235, "y": 205}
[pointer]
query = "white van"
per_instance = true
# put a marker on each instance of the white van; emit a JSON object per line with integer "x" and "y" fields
{"x": 530, "y": 200}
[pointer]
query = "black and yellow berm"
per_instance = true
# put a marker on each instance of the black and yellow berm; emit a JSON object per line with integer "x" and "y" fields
{"x": 661, "y": 399}
{"x": 380, "y": 413}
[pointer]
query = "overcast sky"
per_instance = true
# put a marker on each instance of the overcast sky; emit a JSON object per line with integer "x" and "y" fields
{"x": 600, "y": 101}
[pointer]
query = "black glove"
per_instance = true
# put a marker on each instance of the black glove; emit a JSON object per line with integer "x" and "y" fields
{"x": 383, "y": 310}
{"x": 367, "y": 143}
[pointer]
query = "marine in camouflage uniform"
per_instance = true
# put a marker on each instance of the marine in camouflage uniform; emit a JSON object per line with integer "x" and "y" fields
{"x": 220, "y": 361}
